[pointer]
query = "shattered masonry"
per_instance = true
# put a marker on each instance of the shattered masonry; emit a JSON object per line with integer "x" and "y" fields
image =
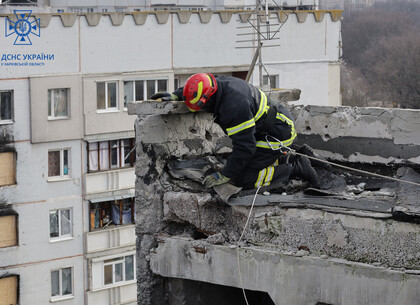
{"x": 359, "y": 235}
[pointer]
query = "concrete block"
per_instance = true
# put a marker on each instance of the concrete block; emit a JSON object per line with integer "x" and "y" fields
{"x": 245, "y": 17}
{"x": 157, "y": 107}
{"x": 68, "y": 19}
{"x": 93, "y": 18}
{"x": 139, "y": 17}
{"x": 319, "y": 16}
{"x": 44, "y": 19}
{"x": 117, "y": 18}
{"x": 301, "y": 16}
{"x": 335, "y": 15}
{"x": 287, "y": 278}
{"x": 183, "y": 16}
{"x": 225, "y": 16}
{"x": 205, "y": 16}
{"x": 283, "y": 15}
{"x": 162, "y": 16}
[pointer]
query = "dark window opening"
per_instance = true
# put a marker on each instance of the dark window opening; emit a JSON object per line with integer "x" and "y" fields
{"x": 200, "y": 293}
{"x": 111, "y": 213}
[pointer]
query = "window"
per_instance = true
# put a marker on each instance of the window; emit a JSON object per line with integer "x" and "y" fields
{"x": 109, "y": 213}
{"x": 7, "y": 168}
{"x": 104, "y": 10}
{"x": 271, "y": 80}
{"x": 112, "y": 154}
{"x": 58, "y": 103}
{"x": 140, "y": 90}
{"x": 9, "y": 289}
{"x": 119, "y": 10}
{"x": 58, "y": 163}
{"x": 106, "y": 95}
{"x": 62, "y": 283}
{"x": 60, "y": 11}
{"x": 61, "y": 223}
{"x": 6, "y": 106}
{"x": 120, "y": 269}
{"x": 8, "y": 231}
{"x": 90, "y": 9}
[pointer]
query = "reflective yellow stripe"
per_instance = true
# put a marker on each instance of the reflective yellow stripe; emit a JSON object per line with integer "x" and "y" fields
{"x": 260, "y": 178}
{"x": 263, "y": 108}
{"x": 199, "y": 93}
{"x": 265, "y": 175}
{"x": 240, "y": 127}
{"x": 287, "y": 142}
{"x": 269, "y": 177}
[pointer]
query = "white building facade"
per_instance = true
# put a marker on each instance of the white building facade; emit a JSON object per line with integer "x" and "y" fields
{"x": 66, "y": 140}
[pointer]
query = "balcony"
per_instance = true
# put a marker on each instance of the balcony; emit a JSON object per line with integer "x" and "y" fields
{"x": 110, "y": 180}
{"x": 126, "y": 294}
{"x": 114, "y": 237}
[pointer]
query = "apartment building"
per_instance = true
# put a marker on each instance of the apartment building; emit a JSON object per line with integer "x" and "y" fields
{"x": 67, "y": 177}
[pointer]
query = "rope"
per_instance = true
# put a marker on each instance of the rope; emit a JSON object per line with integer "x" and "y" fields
{"x": 238, "y": 246}
{"x": 292, "y": 151}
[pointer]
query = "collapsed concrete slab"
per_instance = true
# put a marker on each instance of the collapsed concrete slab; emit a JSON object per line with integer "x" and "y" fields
{"x": 354, "y": 242}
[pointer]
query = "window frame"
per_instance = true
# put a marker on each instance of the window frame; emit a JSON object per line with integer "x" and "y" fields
{"x": 61, "y": 236}
{"x": 53, "y": 117}
{"x": 117, "y": 259}
{"x": 12, "y": 110}
{"x": 62, "y": 176}
{"x": 60, "y": 296}
{"x": 108, "y": 109}
{"x": 145, "y": 87}
{"x": 268, "y": 80}
{"x": 120, "y": 158}
{"x": 104, "y": 209}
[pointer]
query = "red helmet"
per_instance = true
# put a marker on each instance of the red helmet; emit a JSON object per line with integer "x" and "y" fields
{"x": 198, "y": 89}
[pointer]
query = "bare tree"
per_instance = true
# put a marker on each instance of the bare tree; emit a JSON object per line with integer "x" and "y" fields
{"x": 381, "y": 47}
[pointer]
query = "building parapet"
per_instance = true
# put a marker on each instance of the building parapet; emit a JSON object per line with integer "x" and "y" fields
{"x": 162, "y": 17}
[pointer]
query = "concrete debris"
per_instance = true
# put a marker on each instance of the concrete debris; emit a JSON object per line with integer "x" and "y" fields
{"x": 225, "y": 191}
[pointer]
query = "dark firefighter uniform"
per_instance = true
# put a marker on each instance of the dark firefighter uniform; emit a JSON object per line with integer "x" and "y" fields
{"x": 247, "y": 116}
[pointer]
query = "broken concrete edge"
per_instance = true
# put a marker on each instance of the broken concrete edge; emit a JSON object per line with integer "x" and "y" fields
{"x": 285, "y": 276}
{"x": 153, "y": 107}
{"x": 202, "y": 246}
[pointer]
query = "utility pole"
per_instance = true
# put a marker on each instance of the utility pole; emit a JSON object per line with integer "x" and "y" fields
{"x": 260, "y": 64}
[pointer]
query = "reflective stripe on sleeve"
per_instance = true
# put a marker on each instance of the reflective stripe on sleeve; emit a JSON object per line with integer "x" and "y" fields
{"x": 263, "y": 108}
{"x": 240, "y": 127}
{"x": 265, "y": 175}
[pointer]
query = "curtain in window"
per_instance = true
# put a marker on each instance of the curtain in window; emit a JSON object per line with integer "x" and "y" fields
{"x": 93, "y": 156}
{"x": 118, "y": 272}
{"x": 54, "y": 223}
{"x": 53, "y": 163}
{"x": 60, "y": 102}
{"x": 65, "y": 222}
{"x": 100, "y": 94}
{"x": 139, "y": 90}
{"x": 128, "y": 93}
{"x": 66, "y": 281}
{"x": 126, "y": 214}
{"x": 104, "y": 155}
{"x": 55, "y": 284}
{"x": 112, "y": 95}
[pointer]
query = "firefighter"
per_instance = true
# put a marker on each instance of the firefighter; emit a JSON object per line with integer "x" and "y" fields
{"x": 255, "y": 126}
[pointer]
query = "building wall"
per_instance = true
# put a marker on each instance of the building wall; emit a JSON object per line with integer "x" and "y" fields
{"x": 44, "y": 129}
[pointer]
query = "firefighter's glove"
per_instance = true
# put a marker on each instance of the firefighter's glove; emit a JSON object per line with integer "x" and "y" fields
{"x": 215, "y": 179}
{"x": 164, "y": 96}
